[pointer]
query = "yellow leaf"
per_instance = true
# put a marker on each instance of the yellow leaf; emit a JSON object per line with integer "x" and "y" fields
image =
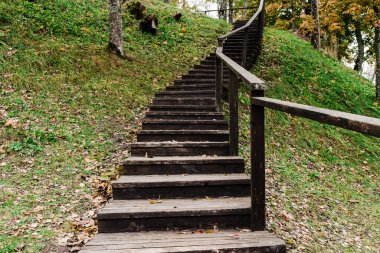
{"x": 154, "y": 201}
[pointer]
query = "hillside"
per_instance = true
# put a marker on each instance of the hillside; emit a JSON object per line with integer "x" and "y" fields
{"x": 68, "y": 108}
{"x": 323, "y": 181}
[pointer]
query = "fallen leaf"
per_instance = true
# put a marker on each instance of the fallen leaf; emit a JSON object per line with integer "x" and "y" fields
{"x": 154, "y": 201}
{"x": 15, "y": 123}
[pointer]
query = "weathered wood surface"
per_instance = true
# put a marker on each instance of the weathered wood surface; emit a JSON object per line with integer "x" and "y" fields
{"x": 185, "y": 160}
{"x": 358, "y": 123}
{"x": 122, "y": 209}
{"x": 257, "y": 164}
{"x": 191, "y": 186}
{"x": 183, "y": 165}
{"x": 180, "y": 180}
{"x": 185, "y": 241}
{"x": 234, "y": 114}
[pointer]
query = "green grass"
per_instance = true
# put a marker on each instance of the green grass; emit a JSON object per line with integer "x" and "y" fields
{"x": 323, "y": 192}
{"x": 68, "y": 108}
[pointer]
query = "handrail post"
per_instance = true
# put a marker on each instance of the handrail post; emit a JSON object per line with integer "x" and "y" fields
{"x": 234, "y": 119}
{"x": 245, "y": 45}
{"x": 218, "y": 82}
{"x": 257, "y": 164}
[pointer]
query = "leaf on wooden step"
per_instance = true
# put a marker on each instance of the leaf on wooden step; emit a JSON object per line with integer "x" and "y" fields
{"x": 154, "y": 201}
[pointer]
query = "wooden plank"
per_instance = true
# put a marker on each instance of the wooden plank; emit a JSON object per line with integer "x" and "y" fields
{"x": 354, "y": 122}
{"x": 234, "y": 114}
{"x": 180, "y": 180}
{"x": 122, "y": 209}
{"x": 257, "y": 164}
{"x": 218, "y": 82}
{"x": 152, "y": 242}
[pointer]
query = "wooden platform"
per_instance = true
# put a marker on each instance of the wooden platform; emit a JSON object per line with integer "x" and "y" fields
{"x": 186, "y": 241}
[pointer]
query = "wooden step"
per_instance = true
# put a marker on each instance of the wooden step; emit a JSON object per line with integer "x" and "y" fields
{"x": 191, "y": 87}
{"x": 200, "y": 66}
{"x": 186, "y": 94}
{"x": 183, "y": 165}
{"x": 196, "y": 71}
{"x": 184, "y": 101}
{"x": 174, "y": 124}
{"x": 210, "y": 75}
{"x": 182, "y": 135}
{"x": 185, "y": 115}
{"x": 181, "y": 186}
{"x": 226, "y": 241}
{"x": 195, "y": 81}
{"x": 209, "y": 63}
{"x": 182, "y": 108}
{"x": 142, "y": 215}
{"x": 152, "y": 149}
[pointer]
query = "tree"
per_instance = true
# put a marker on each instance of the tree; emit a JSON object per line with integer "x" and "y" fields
{"x": 316, "y": 34}
{"x": 115, "y": 44}
{"x": 222, "y": 5}
{"x": 230, "y": 11}
{"x": 377, "y": 47}
{"x": 361, "y": 50}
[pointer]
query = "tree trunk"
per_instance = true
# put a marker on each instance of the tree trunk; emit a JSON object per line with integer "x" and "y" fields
{"x": 244, "y": 10}
{"x": 360, "y": 57}
{"x": 294, "y": 28}
{"x": 230, "y": 11}
{"x": 377, "y": 52}
{"x": 377, "y": 66}
{"x": 316, "y": 35}
{"x": 116, "y": 38}
{"x": 222, "y": 6}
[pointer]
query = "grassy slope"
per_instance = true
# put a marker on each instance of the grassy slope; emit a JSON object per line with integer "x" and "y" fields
{"x": 323, "y": 181}
{"x": 67, "y": 107}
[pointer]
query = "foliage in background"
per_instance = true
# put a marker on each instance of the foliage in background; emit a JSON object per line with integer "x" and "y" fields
{"x": 68, "y": 108}
{"x": 338, "y": 22}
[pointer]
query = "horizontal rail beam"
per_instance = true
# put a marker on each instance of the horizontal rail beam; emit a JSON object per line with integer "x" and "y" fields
{"x": 242, "y": 8}
{"x": 354, "y": 122}
{"x": 247, "y": 77}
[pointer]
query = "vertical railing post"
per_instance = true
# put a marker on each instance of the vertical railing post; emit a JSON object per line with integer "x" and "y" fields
{"x": 233, "y": 105}
{"x": 245, "y": 48}
{"x": 257, "y": 164}
{"x": 218, "y": 82}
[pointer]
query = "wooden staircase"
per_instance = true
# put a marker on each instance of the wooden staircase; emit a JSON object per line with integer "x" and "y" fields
{"x": 180, "y": 190}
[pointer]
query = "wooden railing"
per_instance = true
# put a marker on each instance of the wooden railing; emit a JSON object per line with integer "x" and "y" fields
{"x": 229, "y": 12}
{"x": 358, "y": 123}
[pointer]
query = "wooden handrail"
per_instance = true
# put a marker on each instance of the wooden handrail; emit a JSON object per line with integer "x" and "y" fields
{"x": 354, "y": 122}
{"x": 247, "y": 25}
{"x": 247, "y": 77}
{"x": 228, "y": 9}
